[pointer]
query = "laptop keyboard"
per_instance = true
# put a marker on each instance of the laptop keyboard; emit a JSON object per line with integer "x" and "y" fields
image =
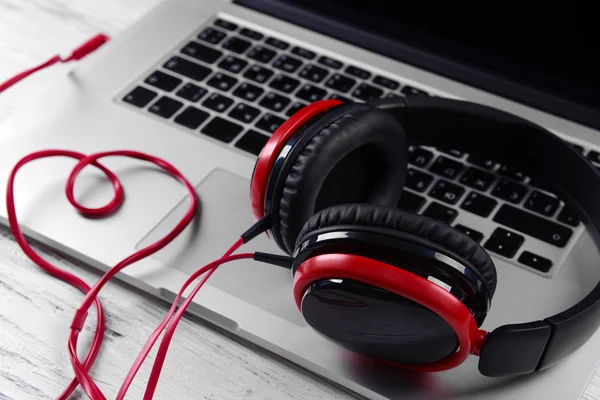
{"x": 237, "y": 86}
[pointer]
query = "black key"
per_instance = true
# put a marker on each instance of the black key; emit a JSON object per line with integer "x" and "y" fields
{"x": 568, "y": 217}
{"x": 577, "y": 147}
{"x": 594, "y": 157}
{"x": 311, "y": 93}
{"x": 410, "y": 202}
{"x": 418, "y": 180}
{"x": 313, "y": 73}
{"x": 446, "y": 192}
{"x": 252, "y": 142}
{"x": 191, "y": 117}
{"x": 258, "y": 73}
{"x": 280, "y": 44}
{"x": 391, "y": 95}
{"x": 473, "y": 234}
{"x": 287, "y": 63}
{"x": 275, "y": 102}
{"x": 299, "y": 51}
{"x": 386, "y": 82}
{"x": 248, "y": 91}
{"x": 230, "y": 26}
{"x": 452, "y": 152}
{"x": 330, "y": 62}
{"x": 201, "y": 52}
{"x": 542, "y": 203}
{"x": 222, "y": 81}
{"x": 364, "y": 91}
{"x": 477, "y": 179}
{"x": 251, "y": 34}
{"x": 411, "y": 91}
{"x": 440, "y": 212}
{"x": 533, "y": 225}
{"x": 269, "y": 122}
{"x": 340, "y": 83}
{"x": 446, "y": 167}
{"x": 233, "y": 64}
{"x": 212, "y": 35}
{"x": 217, "y": 102}
{"x": 236, "y": 44}
{"x": 514, "y": 239}
{"x": 481, "y": 162}
{"x": 191, "y": 92}
{"x": 509, "y": 191}
{"x": 499, "y": 247}
{"x": 358, "y": 72}
{"x": 534, "y": 261}
{"x": 243, "y": 112}
{"x": 511, "y": 173}
{"x": 296, "y": 106}
{"x": 419, "y": 157}
{"x": 221, "y": 129}
{"x": 187, "y": 68}
{"x": 262, "y": 54}
{"x": 478, "y": 204}
{"x": 165, "y": 107}
{"x": 284, "y": 83}
{"x": 339, "y": 97}
{"x": 163, "y": 81}
{"x": 139, "y": 96}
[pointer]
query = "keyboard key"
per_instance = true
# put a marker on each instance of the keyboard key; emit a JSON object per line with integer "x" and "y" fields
{"x": 313, "y": 73}
{"x": 340, "y": 83}
{"x": 191, "y": 117}
{"x": 446, "y": 192}
{"x": 419, "y": 157}
{"x": 358, "y": 72}
{"x": 222, "y": 81}
{"x": 330, "y": 62}
{"x": 295, "y": 107}
{"x": 243, "y": 112}
{"x": 165, "y": 107}
{"x": 140, "y": 97}
{"x": 163, "y": 81}
{"x": 446, "y": 167}
{"x": 236, "y": 44}
{"x": 410, "y": 202}
{"x": 287, "y": 63}
{"x": 275, "y": 102}
{"x": 221, "y": 129}
{"x": 477, "y": 179}
{"x": 339, "y": 97}
{"x": 269, "y": 122}
{"x": 478, "y": 204}
{"x": 533, "y": 225}
{"x": 191, "y": 92}
{"x": 499, "y": 247}
{"x": 212, "y": 35}
{"x": 567, "y": 216}
{"x": 542, "y": 203}
{"x": 440, "y": 212}
{"x": 299, "y": 51}
{"x": 480, "y": 162}
{"x": 534, "y": 261}
{"x": 187, "y": 68}
{"x": 201, "y": 52}
{"x": 511, "y": 173}
{"x": 258, "y": 74}
{"x": 411, "y": 91}
{"x": 262, "y": 54}
{"x": 217, "y": 102}
{"x": 280, "y": 44}
{"x": 233, "y": 64}
{"x": 509, "y": 191}
{"x": 386, "y": 82}
{"x": 252, "y": 142}
{"x": 577, "y": 147}
{"x": 248, "y": 91}
{"x": 251, "y": 34}
{"x": 473, "y": 234}
{"x": 365, "y": 92}
{"x": 508, "y": 237}
{"x": 284, "y": 83}
{"x": 391, "y": 95}
{"x": 310, "y": 93}
{"x": 230, "y": 26}
{"x": 594, "y": 157}
{"x": 418, "y": 180}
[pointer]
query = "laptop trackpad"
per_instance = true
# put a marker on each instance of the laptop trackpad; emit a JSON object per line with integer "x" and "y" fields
{"x": 224, "y": 214}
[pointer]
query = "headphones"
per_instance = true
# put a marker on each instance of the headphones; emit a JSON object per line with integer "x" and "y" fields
{"x": 399, "y": 287}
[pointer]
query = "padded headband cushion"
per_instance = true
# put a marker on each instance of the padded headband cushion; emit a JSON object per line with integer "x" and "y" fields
{"x": 354, "y": 153}
{"x": 435, "y": 231}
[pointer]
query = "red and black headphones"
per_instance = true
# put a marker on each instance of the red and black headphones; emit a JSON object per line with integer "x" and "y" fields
{"x": 400, "y": 287}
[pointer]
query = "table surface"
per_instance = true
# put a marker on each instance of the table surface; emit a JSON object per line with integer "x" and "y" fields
{"x": 36, "y": 309}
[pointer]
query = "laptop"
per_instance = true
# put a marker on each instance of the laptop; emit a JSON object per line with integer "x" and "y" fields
{"x": 204, "y": 83}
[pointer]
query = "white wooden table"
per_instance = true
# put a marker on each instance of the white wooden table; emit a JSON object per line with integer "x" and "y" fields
{"x": 36, "y": 309}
